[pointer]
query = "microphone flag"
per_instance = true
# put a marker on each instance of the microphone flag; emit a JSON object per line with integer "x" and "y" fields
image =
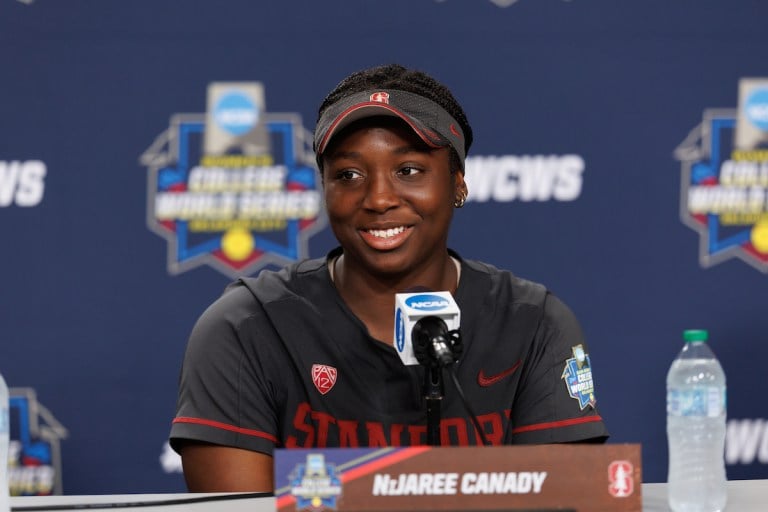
{"x": 410, "y": 308}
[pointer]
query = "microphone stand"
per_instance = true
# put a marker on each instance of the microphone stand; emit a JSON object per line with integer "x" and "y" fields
{"x": 434, "y": 390}
{"x": 434, "y": 347}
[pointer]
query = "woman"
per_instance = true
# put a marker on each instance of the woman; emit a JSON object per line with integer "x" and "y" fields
{"x": 304, "y": 358}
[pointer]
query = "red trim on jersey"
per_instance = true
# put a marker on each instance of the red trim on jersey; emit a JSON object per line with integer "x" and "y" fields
{"x": 557, "y": 424}
{"x": 224, "y": 426}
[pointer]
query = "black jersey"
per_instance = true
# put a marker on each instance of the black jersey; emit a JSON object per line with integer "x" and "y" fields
{"x": 280, "y": 361}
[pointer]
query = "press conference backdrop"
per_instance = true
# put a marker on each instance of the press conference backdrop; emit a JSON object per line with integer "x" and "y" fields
{"x": 153, "y": 150}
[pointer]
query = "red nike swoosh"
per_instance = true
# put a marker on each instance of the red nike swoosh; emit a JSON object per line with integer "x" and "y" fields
{"x": 493, "y": 379}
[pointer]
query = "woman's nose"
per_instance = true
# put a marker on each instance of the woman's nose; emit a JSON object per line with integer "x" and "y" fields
{"x": 381, "y": 194}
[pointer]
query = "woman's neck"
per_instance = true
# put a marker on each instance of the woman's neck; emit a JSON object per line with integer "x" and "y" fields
{"x": 372, "y": 297}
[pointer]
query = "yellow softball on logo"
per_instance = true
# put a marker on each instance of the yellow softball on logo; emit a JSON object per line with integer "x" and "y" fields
{"x": 237, "y": 244}
{"x": 759, "y": 236}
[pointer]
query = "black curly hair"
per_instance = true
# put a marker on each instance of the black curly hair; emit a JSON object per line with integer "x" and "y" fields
{"x": 397, "y": 77}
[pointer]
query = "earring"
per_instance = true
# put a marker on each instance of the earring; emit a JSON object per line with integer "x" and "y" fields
{"x": 460, "y": 200}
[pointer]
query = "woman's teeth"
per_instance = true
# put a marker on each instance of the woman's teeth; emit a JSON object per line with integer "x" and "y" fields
{"x": 386, "y": 233}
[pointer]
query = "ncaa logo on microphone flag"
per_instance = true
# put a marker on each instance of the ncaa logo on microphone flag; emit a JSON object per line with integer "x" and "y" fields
{"x": 427, "y": 302}
{"x": 236, "y": 187}
{"x": 324, "y": 377}
{"x": 724, "y": 179}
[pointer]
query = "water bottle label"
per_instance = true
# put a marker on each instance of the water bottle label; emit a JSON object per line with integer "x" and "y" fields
{"x": 707, "y": 401}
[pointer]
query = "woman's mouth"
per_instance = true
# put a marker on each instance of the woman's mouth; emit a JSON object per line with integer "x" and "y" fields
{"x": 386, "y": 233}
{"x": 386, "y": 239}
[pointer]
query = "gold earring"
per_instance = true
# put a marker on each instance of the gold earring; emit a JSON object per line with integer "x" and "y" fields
{"x": 460, "y": 200}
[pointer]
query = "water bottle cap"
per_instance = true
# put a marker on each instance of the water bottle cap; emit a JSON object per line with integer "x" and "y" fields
{"x": 695, "y": 335}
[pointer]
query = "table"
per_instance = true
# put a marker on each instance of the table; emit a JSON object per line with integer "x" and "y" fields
{"x": 743, "y": 496}
{"x": 213, "y": 502}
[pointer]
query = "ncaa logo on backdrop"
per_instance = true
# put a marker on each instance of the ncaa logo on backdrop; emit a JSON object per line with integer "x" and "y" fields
{"x": 724, "y": 191}
{"x": 235, "y": 188}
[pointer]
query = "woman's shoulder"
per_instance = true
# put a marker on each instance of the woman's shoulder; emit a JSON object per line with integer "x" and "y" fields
{"x": 502, "y": 282}
{"x": 284, "y": 283}
{"x": 504, "y": 287}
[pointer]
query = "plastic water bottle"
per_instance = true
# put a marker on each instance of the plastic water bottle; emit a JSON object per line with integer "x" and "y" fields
{"x": 696, "y": 428}
{"x": 5, "y": 432}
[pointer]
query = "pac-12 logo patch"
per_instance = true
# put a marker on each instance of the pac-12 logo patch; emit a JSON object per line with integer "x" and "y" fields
{"x": 324, "y": 377}
{"x": 724, "y": 183}
{"x": 578, "y": 377}
{"x": 235, "y": 188}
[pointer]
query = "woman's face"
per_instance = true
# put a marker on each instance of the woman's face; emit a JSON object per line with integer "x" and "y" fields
{"x": 389, "y": 196}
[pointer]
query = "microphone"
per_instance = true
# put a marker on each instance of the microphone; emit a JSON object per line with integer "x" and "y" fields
{"x": 430, "y": 336}
{"x": 427, "y": 328}
{"x": 427, "y": 333}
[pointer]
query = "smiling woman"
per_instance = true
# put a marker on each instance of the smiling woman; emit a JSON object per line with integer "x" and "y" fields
{"x": 390, "y": 203}
{"x": 303, "y": 357}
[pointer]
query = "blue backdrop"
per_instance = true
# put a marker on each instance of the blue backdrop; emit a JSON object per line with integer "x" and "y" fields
{"x": 594, "y": 123}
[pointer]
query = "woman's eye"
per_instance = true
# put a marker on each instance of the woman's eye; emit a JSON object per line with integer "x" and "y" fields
{"x": 347, "y": 174}
{"x": 409, "y": 171}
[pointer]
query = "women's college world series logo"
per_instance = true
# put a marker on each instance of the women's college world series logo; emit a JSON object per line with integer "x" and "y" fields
{"x": 315, "y": 485}
{"x": 235, "y": 188}
{"x": 724, "y": 191}
{"x": 577, "y": 375}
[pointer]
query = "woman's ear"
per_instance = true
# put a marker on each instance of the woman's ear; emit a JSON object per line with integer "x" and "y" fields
{"x": 461, "y": 189}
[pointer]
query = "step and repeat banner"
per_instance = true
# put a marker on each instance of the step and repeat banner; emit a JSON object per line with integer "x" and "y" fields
{"x": 151, "y": 151}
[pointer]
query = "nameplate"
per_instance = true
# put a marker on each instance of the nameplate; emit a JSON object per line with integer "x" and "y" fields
{"x": 577, "y": 477}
